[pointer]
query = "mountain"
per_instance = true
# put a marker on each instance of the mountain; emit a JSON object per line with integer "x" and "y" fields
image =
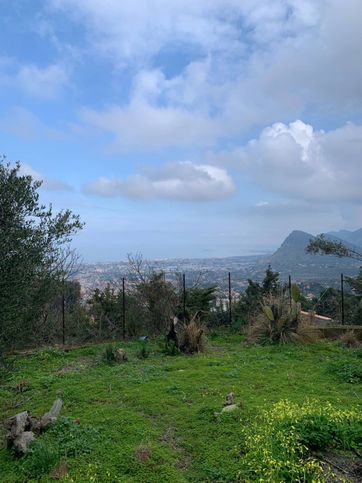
{"x": 291, "y": 258}
{"x": 354, "y": 237}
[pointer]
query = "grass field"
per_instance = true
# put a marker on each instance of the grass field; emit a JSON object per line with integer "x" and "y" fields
{"x": 157, "y": 419}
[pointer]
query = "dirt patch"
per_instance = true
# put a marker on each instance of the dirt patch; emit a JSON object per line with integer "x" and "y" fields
{"x": 342, "y": 467}
{"x": 75, "y": 366}
{"x": 169, "y": 437}
{"x": 143, "y": 453}
{"x": 59, "y": 471}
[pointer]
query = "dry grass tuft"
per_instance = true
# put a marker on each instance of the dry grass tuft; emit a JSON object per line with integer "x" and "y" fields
{"x": 350, "y": 339}
{"x": 193, "y": 337}
{"x": 143, "y": 453}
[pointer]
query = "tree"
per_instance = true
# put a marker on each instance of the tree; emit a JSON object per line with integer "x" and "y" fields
{"x": 321, "y": 244}
{"x": 199, "y": 302}
{"x": 156, "y": 297}
{"x": 249, "y": 304}
{"x": 32, "y": 243}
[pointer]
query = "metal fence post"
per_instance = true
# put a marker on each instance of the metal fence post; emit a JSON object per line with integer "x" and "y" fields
{"x": 63, "y": 312}
{"x": 342, "y": 297}
{"x": 230, "y": 315}
{"x": 123, "y": 311}
{"x": 290, "y": 290}
{"x": 184, "y": 296}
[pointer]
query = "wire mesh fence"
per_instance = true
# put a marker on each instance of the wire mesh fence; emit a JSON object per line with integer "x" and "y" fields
{"x": 130, "y": 307}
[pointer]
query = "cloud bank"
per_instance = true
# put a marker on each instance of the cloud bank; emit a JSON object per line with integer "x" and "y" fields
{"x": 182, "y": 181}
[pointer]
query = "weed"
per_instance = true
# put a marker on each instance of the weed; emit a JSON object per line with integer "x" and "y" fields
{"x": 350, "y": 372}
{"x": 171, "y": 348}
{"x": 39, "y": 460}
{"x": 192, "y": 337}
{"x": 109, "y": 354}
{"x": 350, "y": 339}
{"x": 144, "y": 351}
{"x": 73, "y": 438}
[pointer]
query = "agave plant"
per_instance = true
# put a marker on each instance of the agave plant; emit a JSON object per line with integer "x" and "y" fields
{"x": 279, "y": 321}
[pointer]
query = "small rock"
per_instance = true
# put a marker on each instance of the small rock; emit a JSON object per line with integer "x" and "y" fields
{"x": 230, "y": 408}
{"x": 229, "y": 399}
{"x": 121, "y": 356}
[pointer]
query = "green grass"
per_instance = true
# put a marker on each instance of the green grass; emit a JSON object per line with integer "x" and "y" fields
{"x": 154, "y": 419}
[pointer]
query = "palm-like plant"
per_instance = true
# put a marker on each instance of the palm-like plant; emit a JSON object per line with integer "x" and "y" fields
{"x": 279, "y": 321}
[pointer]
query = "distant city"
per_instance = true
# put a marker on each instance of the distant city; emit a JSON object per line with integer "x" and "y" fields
{"x": 311, "y": 272}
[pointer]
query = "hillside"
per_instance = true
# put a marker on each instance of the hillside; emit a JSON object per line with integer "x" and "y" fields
{"x": 161, "y": 419}
{"x": 291, "y": 258}
{"x": 354, "y": 237}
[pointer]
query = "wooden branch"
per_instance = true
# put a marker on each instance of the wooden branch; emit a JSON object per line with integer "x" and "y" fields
{"x": 51, "y": 416}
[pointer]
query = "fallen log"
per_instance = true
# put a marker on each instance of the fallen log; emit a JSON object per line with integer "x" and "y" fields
{"x": 23, "y": 427}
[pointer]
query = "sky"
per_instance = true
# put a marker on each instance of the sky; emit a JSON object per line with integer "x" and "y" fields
{"x": 186, "y": 128}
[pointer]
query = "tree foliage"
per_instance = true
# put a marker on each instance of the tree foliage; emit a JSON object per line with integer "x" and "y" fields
{"x": 322, "y": 245}
{"x": 32, "y": 247}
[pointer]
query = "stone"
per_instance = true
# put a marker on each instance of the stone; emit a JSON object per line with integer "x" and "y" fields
{"x": 121, "y": 356}
{"x": 230, "y": 408}
{"x": 229, "y": 399}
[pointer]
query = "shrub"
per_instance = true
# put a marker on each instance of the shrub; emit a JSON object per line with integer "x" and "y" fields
{"x": 350, "y": 339}
{"x": 278, "y": 446}
{"x": 171, "y": 348}
{"x": 279, "y": 322}
{"x": 192, "y": 337}
{"x": 109, "y": 354}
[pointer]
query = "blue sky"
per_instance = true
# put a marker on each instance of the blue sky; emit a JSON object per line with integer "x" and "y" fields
{"x": 186, "y": 128}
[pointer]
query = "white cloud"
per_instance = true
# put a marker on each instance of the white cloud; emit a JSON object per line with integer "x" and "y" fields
{"x": 182, "y": 181}
{"x": 252, "y": 62}
{"x": 42, "y": 82}
{"x": 143, "y": 126}
{"x": 298, "y": 162}
{"x": 50, "y": 184}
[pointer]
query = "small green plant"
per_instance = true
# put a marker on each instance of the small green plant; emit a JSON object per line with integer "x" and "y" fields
{"x": 171, "y": 348}
{"x": 109, "y": 354}
{"x": 144, "y": 351}
{"x": 73, "y": 438}
{"x": 6, "y": 366}
{"x": 39, "y": 460}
